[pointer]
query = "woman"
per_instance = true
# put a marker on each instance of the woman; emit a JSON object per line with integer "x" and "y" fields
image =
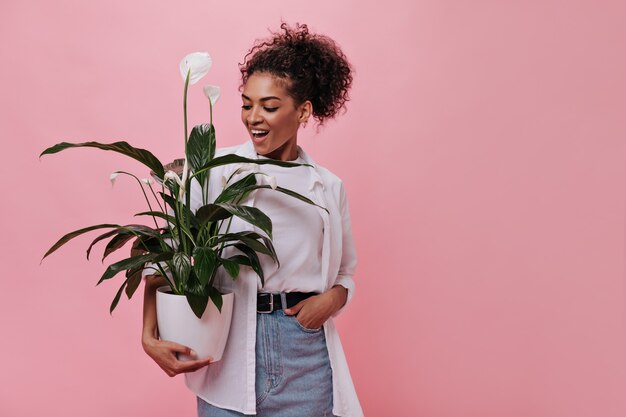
{"x": 283, "y": 356}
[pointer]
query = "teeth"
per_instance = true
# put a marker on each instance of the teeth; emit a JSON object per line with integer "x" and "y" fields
{"x": 258, "y": 132}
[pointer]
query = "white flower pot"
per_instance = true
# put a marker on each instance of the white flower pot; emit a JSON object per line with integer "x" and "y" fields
{"x": 177, "y": 323}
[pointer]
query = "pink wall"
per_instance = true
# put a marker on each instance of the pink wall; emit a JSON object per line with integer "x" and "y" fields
{"x": 484, "y": 157}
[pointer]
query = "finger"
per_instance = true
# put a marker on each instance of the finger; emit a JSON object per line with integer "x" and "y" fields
{"x": 295, "y": 309}
{"x": 189, "y": 366}
{"x": 177, "y": 347}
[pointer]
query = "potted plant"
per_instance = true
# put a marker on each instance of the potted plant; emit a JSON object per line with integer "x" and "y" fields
{"x": 187, "y": 246}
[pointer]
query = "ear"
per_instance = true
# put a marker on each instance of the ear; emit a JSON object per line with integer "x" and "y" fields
{"x": 305, "y": 111}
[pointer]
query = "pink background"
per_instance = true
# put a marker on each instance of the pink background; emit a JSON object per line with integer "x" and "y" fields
{"x": 484, "y": 158}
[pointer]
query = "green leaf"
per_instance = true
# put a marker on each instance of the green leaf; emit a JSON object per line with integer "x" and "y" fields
{"x": 205, "y": 262}
{"x": 134, "y": 279}
{"x": 99, "y": 238}
{"x": 237, "y": 189}
{"x": 153, "y": 244}
{"x": 133, "y": 262}
{"x": 240, "y": 259}
{"x": 232, "y": 267}
{"x": 285, "y": 191}
{"x": 246, "y": 233}
{"x": 116, "y": 243}
{"x": 270, "y": 246}
{"x": 160, "y": 214}
{"x": 141, "y": 155}
{"x": 296, "y": 195}
{"x": 211, "y": 213}
{"x": 117, "y": 297}
{"x": 197, "y": 302}
{"x": 253, "y": 259}
{"x": 182, "y": 266}
{"x": 141, "y": 229}
{"x": 234, "y": 159}
{"x": 171, "y": 201}
{"x": 251, "y": 215}
{"x": 128, "y": 230}
{"x": 75, "y": 233}
{"x": 216, "y": 297}
{"x": 245, "y": 238}
{"x": 221, "y": 211}
{"x": 183, "y": 225}
{"x": 201, "y": 148}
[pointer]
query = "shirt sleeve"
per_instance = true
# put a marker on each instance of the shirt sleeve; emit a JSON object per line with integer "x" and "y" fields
{"x": 348, "y": 252}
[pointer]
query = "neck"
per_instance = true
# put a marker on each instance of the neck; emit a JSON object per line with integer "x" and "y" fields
{"x": 287, "y": 152}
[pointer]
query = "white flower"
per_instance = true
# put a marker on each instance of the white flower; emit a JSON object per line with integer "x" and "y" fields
{"x": 271, "y": 181}
{"x": 147, "y": 181}
{"x": 172, "y": 176}
{"x": 212, "y": 92}
{"x": 113, "y": 176}
{"x": 181, "y": 193}
{"x": 199, "y": 63}
{"x": 245, "y": 167}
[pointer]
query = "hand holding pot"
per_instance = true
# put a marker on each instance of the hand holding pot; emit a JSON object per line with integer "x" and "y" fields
{"x": 164, "y": 354}
{"x": 161, "y": 351}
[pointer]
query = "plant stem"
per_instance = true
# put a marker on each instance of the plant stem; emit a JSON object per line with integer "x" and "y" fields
{"x": 185, "y": 107}
{"x": 210, "y": 112}
{"x": 144, "y": 193}
{"x": 181, "y": 236}
{"x": 156, "y": 198}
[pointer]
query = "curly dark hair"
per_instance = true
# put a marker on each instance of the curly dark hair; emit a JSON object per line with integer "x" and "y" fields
{"x": 313, "y": 67}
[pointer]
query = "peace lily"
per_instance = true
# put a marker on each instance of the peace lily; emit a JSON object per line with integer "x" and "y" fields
{"x": 271, "y": 181}
{"x": 171, "y": 175}
{"x": 245, "y": 168}
{"x": 212, "y": 92}
{"x": 197, "y": 65}
{"x": 184, "y": 180}
{"x": 192, "y": 68}
{"x": 113, "y": 177}
{"x": 187, "y": 247}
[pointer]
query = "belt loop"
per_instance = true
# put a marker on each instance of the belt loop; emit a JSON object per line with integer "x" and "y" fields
{"x": 283, "y": 300}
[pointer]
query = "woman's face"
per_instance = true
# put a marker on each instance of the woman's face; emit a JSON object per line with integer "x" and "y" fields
{"x": 271, "y": 117}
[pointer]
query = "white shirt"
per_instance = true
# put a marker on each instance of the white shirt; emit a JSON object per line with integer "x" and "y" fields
{"x": 297, "y": 231}
{"x": 230, "y": 382}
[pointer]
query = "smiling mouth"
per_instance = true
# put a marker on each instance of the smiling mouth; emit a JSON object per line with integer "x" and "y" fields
{"x": 258, "y": 133}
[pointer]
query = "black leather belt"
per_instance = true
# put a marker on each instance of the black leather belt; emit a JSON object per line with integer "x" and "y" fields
{"x": 267, "y": 302}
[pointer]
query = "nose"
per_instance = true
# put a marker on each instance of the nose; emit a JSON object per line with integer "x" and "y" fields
{"x": 254, "y": 116}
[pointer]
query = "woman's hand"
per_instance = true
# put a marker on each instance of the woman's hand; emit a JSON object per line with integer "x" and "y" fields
{"x": 164, "y": 354}
{"x": 161, "y": 351}
{"x": 313, "y": 312}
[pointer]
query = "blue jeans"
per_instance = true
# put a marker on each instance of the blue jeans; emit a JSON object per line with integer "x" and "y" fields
{"x": 293, "y": 374}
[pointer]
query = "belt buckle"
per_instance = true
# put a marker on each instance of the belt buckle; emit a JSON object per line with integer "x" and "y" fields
{"x": 271, "y": 297}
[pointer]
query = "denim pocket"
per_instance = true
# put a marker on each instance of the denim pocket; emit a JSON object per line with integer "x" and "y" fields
{"x": 305, "y": 329}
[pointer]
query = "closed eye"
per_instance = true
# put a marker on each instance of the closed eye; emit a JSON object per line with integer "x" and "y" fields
{"x": 267, "y": 109}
